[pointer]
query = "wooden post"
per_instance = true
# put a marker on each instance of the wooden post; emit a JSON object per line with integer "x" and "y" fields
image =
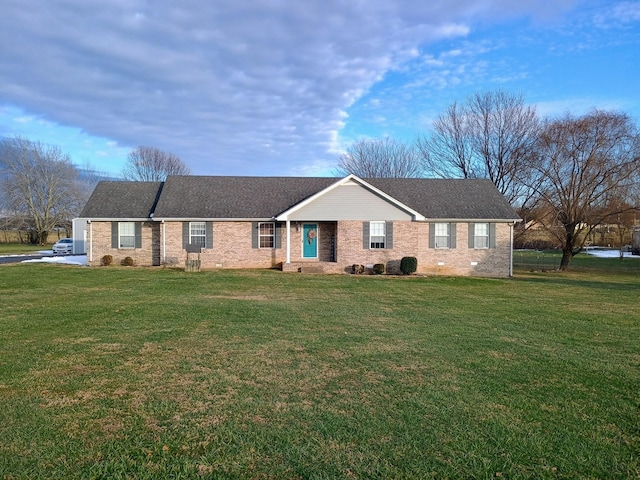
{"x": 192, "y": 264}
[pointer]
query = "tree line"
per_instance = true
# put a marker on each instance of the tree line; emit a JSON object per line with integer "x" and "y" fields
{"x": 41, "y": 190}
{"x": 568, "y": 174}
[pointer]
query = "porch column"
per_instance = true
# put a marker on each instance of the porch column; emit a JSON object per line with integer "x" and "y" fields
{"x": 288, "y": 241}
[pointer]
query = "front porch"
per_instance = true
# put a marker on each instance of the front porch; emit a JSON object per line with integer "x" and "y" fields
{"x": 317, "y": 246}
{"x": 310, "y": 243}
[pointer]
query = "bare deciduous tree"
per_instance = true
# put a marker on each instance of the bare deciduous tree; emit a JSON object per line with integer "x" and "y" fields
{"x": 489, "y": 136}
{"x": 583, "y": 167}
{"x": 447, "y": 149}
{"x": 149, "y": 164}
{"x": 372, "y": 158}
{"x": 40, "y": 184}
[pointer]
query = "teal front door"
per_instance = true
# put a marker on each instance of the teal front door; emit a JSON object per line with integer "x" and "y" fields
{"x": 309, "y": 240}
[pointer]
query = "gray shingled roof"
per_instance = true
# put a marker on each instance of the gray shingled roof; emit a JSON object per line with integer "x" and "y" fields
{"x": 234, "y": 197}
{"x": 265, "y": 197}
{"x": 448, "y": 198}
{"x": 122, "y": 200}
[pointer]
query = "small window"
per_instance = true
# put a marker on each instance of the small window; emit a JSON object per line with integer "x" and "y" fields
{"x": 197, "y": 233}
{"x": 266, "y": 234}
{"x": 442, "y": 235}
{"x": 127, "y": 234}
{"x": 377, "y": 234}
{"x": 481, "y": 235}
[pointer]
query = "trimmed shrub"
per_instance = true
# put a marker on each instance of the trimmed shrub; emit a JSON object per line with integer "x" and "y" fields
{"x": 378, "y": 268}
{"x": 408, "y": 265}
{"x": 107, "y": 260}
{"x": 357, "y": 269}
{"x": 127, "y": 262}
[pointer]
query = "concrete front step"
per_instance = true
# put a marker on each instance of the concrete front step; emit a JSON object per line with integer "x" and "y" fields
{"x": 312, "y": 267}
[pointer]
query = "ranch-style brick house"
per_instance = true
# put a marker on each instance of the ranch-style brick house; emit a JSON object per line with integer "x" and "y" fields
{"x": 310, "y": 224}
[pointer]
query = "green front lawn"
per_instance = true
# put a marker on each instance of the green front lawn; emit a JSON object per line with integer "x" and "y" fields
{"x": 157, "y": 373}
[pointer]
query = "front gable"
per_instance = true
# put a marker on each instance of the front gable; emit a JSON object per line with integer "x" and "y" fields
{"x": 349, "y": 199}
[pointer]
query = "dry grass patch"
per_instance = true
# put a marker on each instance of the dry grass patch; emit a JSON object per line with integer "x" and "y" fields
{"x": 258, "y": 298}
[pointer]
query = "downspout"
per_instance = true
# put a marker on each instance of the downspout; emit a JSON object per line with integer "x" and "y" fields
{"x": 511, "y": 249}
{"x": 288, "y": 241}
{"x": 164, "y": 243}
{"x": 90, "y": 240}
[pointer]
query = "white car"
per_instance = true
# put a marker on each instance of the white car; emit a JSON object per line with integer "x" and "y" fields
{"x": 63, "y": 247}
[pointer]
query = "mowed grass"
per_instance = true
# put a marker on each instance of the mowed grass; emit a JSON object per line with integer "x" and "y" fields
{"x": 157, "y": 373}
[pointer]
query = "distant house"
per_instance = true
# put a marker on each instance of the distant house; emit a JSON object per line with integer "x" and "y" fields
{"x": 452, "y": 227}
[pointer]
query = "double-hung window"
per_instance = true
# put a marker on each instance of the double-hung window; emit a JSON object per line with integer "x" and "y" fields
{"x": 198, "y": 233}
{"x": 442, "y": 235}
{"x": 443, "y": 232}
{"x": 481, "y": 235}
{"x": 127, "y": 234}
{"x": 266, "y": 234}
{"x": 377, "y": 234}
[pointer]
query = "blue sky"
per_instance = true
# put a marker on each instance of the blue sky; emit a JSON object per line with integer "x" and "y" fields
{"x": 268, "y": 87}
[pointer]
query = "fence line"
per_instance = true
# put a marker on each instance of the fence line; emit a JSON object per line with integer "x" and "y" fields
{"x": 544, "y": 261}
{"x": 535, "y": 261}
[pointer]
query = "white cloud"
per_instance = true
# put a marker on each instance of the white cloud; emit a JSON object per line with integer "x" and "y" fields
{"x": 575, "y": 106}
{"x": 619, "y": 14}
{"x": 453, "y": 53}
{"x": 627, "y": 12}
{"x": 27, "y": 119}
{"x": 229, "y": 86}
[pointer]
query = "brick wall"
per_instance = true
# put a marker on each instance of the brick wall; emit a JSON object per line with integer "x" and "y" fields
{"x": 411, "y": 239}
{"x": 232, "y": 248}
{"x": 462, "y": 260}
{"x": 99, "y": 245}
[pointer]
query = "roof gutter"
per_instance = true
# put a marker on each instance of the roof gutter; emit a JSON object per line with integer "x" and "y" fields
{"x": 473, "y": 220}
{"x": 119, "y": 219}
{"x": 211, "y": 219}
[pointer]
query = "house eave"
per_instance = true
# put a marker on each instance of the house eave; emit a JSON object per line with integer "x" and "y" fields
{"x": 279, "y": 218}
{"x": 118, "y": 219}
{"x": 473, "y": 220}
{"x": 212, "y": 219}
